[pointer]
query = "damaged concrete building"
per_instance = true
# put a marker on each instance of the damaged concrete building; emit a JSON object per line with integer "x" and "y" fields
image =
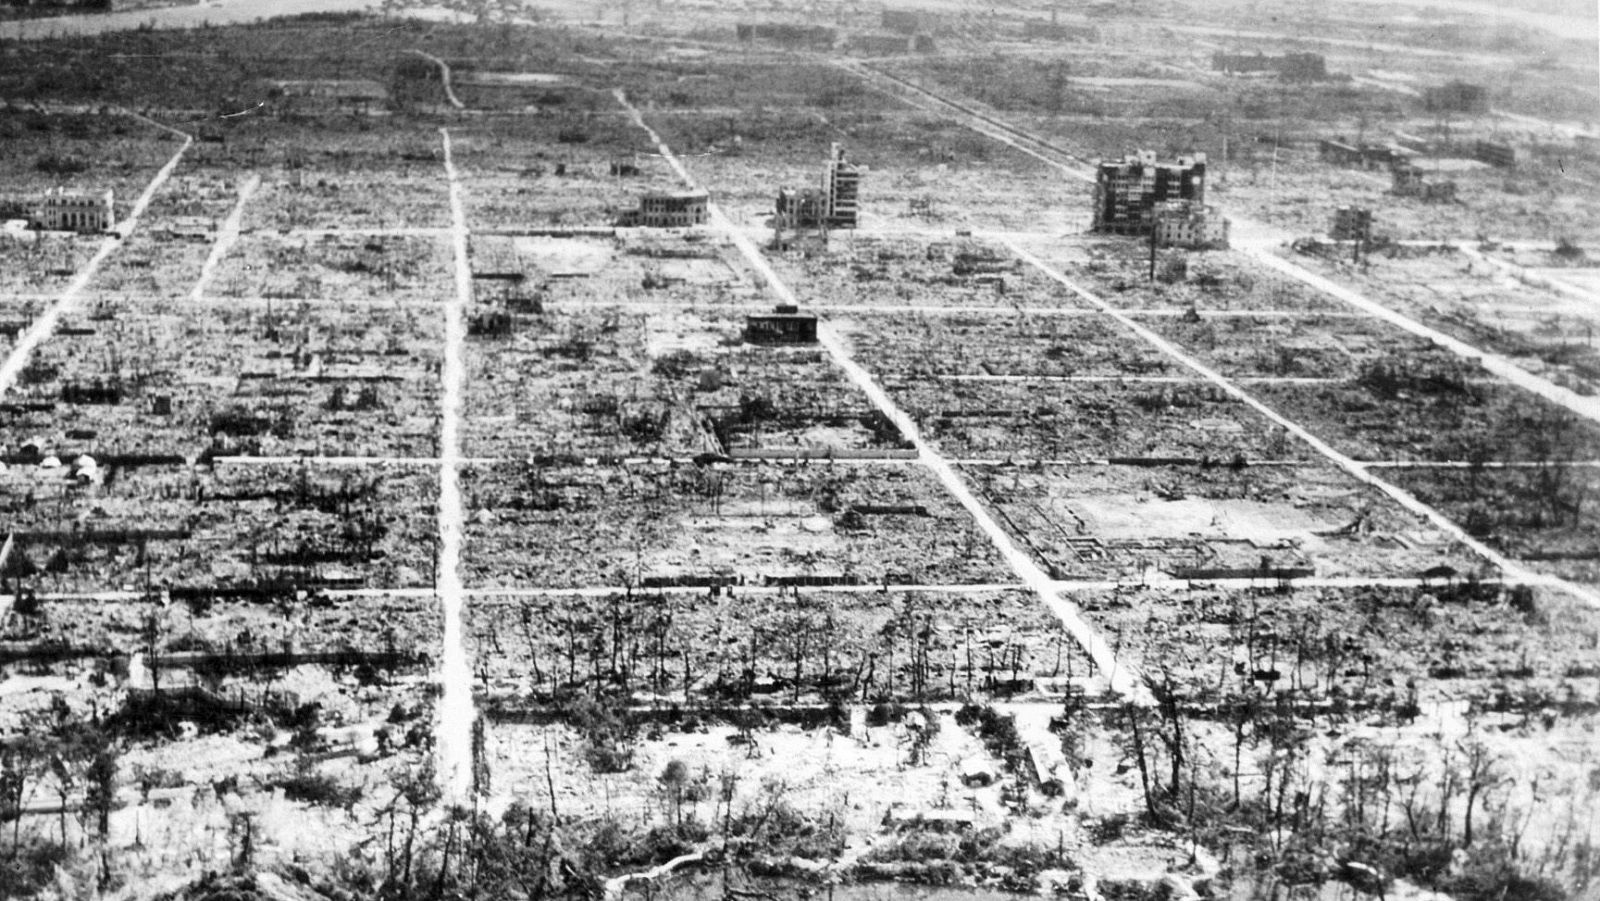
{"x": 834, "y": 204}
{"x": 1411, "y": 181}
{"x": 1190, "y": 225}
{"x": 669, "y": 209}
{"x": 784, "y": 325}
{"x": 1351, "y": 223}
{"x": 1127, "y": 192}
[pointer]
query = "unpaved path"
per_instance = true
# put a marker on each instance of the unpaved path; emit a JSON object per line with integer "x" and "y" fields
{"x": 454, "y": 730}
{"x": 444, "y": 77}
{"x": 226, "y": 238}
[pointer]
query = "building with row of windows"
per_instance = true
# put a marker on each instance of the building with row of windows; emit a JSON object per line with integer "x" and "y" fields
{"x": 670, "y": 209}
{"x": 65, "y": 210}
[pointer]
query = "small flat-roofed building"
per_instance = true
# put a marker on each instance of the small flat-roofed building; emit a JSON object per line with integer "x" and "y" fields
{"x": 671, "y": 209}
{"x": 1495, "y": 153}
{"x": 784, "y": 325}
{"x": 1339, "y": 153}
{"x": 64, "y": 210}
{"x": 1456, "y": 97}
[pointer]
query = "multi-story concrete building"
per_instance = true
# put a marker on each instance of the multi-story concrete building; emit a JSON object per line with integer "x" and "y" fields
{"x": 841, "y": 185}
{"x": 1127, "y": 192}
{"x": 64, "y": 210}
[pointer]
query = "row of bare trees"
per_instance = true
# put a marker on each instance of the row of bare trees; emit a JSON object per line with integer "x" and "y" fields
{"x": 913, "y": 647}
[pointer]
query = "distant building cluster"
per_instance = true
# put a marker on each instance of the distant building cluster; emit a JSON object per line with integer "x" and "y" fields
{"x": 356, "y": 93}
{"x": 64, "y": 210}
{"x": 1409, "y": 180}
{"x": 1291, "y": 66}
{"x": 1038, "y": 30}
{"x": 1456, "y": 97}
{"x": 909, "y": 21}
{"x": 787, "y": 35}
{"x": 1365, "y": 156}
{"x": 889, "y": 44}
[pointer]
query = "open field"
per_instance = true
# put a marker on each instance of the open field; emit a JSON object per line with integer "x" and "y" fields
{"x": 1198, "y": 523}
{"x": 757, "y": 524}
{"x": 1542, "y": 328}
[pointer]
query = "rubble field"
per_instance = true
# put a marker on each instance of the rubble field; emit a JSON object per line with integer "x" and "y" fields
{"x": 384, "y": 517}
{"x": 761, "y": 523}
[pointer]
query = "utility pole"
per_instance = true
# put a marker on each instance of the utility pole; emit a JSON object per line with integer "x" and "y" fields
{"x": 1153, "y": 249}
